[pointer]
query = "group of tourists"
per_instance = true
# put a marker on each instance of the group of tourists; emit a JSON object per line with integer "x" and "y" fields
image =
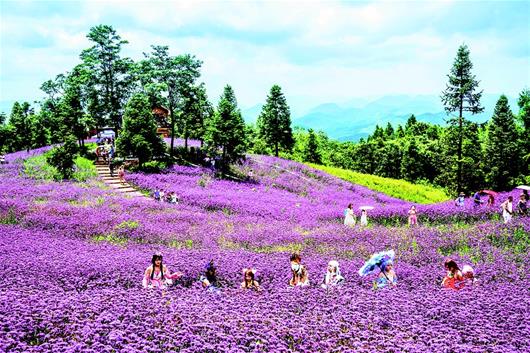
{"x": 106, "y": 150}
{"x": 508, "y": 208}
{"x": 351, "y": 220}
{"x": 158, "y": 275}
{"x": 162, "y": 196}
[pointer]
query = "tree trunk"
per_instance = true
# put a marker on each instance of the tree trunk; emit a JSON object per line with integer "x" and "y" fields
{"x": 276, "y": 149}
{"x": 459, "y": 151}
{"x": 172, "y": 122}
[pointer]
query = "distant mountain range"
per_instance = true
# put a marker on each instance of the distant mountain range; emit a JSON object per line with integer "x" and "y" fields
{"x": 357, "y": 118}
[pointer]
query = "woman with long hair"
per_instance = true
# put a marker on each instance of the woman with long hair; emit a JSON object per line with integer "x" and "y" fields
{"x": 349, "y": 216}
{"x": 454, "y": 278}
{"x": 300, "y": 277}
{"x": 249, "y": 281}
{"x": 157, "y": 275}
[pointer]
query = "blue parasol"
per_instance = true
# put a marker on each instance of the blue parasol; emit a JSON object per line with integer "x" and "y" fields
{"x": 376, "y": 261}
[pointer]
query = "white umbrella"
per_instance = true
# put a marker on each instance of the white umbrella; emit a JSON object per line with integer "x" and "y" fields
{"x": 523, "y": 187}
{"x": 366, "y": 207}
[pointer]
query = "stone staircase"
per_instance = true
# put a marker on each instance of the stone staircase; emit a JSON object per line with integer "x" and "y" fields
{"x": 114, "y": 182}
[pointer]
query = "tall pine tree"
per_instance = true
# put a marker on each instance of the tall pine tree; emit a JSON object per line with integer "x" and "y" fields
{"x": 225, "y": 132}
{"x": 524, "y": 117}
{"x": 502, "y": 153}
{"x": 461, "y": 96}
{"x": 274, "y": 122}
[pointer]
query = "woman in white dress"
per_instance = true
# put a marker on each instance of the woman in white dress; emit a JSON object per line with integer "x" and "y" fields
{"x": 507, "y": 209}
{"x": 349, "y": 216}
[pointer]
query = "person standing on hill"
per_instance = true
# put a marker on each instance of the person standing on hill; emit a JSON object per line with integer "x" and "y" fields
{"x": 522, "y": 207}
{"x": 491, "y": 200}
{"x": 364, "y": 218}
{"x": 507, "y": 209}
{"x": 413, "y": 219}
{"x": 459, "y": 202}
{"x": 476, "y": 199}
{"x": 349, "y": 216}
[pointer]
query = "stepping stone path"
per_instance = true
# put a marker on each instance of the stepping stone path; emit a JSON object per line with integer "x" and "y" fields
{"x": 114, "y": 181}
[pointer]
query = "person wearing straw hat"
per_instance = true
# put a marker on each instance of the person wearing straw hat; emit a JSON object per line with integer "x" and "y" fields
{"x": 469, "y": 275}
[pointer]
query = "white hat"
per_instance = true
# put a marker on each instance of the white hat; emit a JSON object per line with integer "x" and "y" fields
{"x": 467, "y": 269}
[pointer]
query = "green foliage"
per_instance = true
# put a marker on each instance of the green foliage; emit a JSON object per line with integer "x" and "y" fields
{"x": 460, "y": 96}
{"x": 396, "y": 188}
{"x": 37, "y": 167}
{"x": 225, "y": 133}
{"x": 274, "y": 122}
{"x": 311, "y": 153}
{"x": 503, "y": 160}
{"x": 63, "y": 157}
{"x": 139, "y": 137}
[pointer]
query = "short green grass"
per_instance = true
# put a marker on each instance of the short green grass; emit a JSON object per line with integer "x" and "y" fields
{"x": 38, "y": 168}
{"x": 400, "y": 189}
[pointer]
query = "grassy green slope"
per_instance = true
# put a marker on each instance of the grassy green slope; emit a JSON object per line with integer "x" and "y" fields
{"x": 400, "y": 189}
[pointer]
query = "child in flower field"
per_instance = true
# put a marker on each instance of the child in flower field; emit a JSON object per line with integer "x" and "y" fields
{"x": 249, "y": 281}
{"x": 413, "y": 219}
{"x": 333, "y": 277}
{"x": 454, "y": 278}
{"x": 158, "y": 275}
{"x": 387, "y": 276}
{"x": 300, "y": 277}
{"x": 522, "y": 207}
{"x": 491, "y": 200}
{"x": 364, "y": 218}
{"x": 121, "y": 174}
{"x": 469, "y": 275}
{"x": 349, "y": 216}
{"x": 209, "y": 279}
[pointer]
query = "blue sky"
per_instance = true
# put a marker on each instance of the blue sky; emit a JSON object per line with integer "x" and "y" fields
{"x": 318, "y": 51}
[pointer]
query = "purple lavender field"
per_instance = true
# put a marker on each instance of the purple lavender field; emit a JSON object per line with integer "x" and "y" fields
{"x": 73, "y": 256}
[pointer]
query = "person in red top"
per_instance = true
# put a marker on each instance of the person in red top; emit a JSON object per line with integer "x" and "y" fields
{"x": 454, "y": 278}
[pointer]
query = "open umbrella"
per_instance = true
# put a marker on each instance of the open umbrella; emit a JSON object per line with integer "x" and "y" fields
{"x": 523, "y": 187}
{"x": 376, "y": 261}
{"x": 366, "y": 207}
{"x": 489, "y": 192}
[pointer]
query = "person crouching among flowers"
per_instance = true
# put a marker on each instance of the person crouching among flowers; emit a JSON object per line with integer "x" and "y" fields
{"x": 158, "y": 275}
{"x": 300, "y": 277}
{"x": 469, "y": 275}
{"x": 209, "y": 280}
{"x": 454, "y": 278}
{"x": 388, "y": 276}
{"x": 249, "y": 281}
{"x": 333, "y": 278}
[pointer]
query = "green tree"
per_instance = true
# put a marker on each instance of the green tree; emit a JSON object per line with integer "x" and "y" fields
{"x": 40, "y": 134}
{"x": 138, "y": 137}
{"x": 274, "y": 122}
{"x": 389, "y": 131}
{"x": 176, "y": 75}
{"x": 311, "y": 152}
{"x": 460, "y": 95}
{"x": 225, "y": 132}
{"x": 195, "y": 111}
{"x": 63, "y": 157}
{"x": 502, "y": 150}
{"x": 524, "y": 117}
{"x": 21, "y": 126}
{"x": 411, "y": 164}
{"x": 111, "y": 75}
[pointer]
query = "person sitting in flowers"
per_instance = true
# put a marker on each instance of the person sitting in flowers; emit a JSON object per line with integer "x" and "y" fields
{"x": 209, "y": 280}
{"x": 333, "y": 277}
{"x": 300, "y": 277}
{"x": 454, "y": 278}
{"x": 249, "y": 281}
{"x": 469, "y": 275}
{"x": 158, "y": 275}
{"x": 387, "y": 276}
